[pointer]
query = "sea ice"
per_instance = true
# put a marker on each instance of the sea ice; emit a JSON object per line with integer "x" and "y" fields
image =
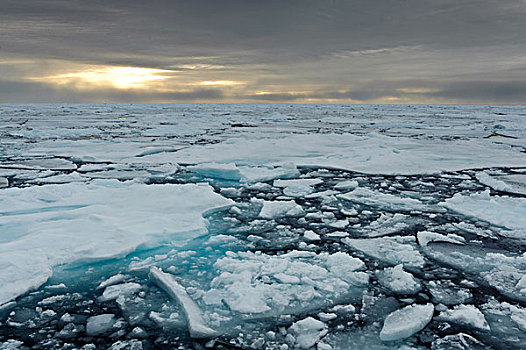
{"x": 196, "y": 324}
{"x": 114, "y": 291}
{"x": 467, "y": 315}
{"x": 100, "y": 324}
{"x": 54, "y": 224}
{"x": 507, "y": 212}
{"x": 255, "y": 283}
{"x": 217, "y": 171}
{"x": 279, "y": 209}
{"x": 407, "y": 321}
{"x": 392, "y": 250}
{"x": 348, "y": 185}
{"x": 398, "y": 280}
{"x": 297, "y": 187}
{"x": 308, "y": 332}
{"x": 378, "y": 199}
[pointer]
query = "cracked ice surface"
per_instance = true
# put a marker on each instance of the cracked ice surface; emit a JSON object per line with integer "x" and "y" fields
{"x": 56, "y": 224}
{"x": 262, "y": 227}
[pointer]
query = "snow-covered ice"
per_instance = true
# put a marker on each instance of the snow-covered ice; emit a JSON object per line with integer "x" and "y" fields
{"x": 392, "y": 250}
{"x": 196, "y": 325}
{"x": 467, "y": 315}
{"x": 46, "y": 226}
{"x": 508, "y": 212}
{"x": 407, "y": 321}
{"x": 398, "y": 280}
{"x": 262, "y": 227}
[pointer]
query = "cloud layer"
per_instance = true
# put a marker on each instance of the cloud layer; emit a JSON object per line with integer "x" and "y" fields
{"x": 319, "y": 51}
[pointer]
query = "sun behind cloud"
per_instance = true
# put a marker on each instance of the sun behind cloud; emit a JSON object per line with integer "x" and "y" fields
{"x": 116, "y": 77}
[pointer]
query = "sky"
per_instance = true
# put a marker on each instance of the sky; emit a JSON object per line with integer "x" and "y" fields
{"x": 263, "y": 51}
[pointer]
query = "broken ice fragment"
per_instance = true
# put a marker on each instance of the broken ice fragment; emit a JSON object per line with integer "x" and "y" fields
{"x": 399, "y": 281}
{"x": 407, "y": 321}
{"x": 297, "y": 187}
{"x": 392, "y": 250}
{"x": 217, "y": 171}
{"x": 100, "y": 324}
{"x": 346, "y": 185}
{"x": 467, "y": 315}
{"x": 308, "y": 332}
{"x": 278, "y": 209}
{"x": 196, "y": 324}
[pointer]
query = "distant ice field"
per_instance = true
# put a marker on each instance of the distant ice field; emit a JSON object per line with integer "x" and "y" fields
{"x": 262, "y": 227}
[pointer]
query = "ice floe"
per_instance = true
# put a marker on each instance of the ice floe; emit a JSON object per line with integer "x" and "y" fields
{"x": 108, "y": 218}
{"x": 507, "y": 212}
{"x": 391, "y": 250}
{"x": 407, "y": 321}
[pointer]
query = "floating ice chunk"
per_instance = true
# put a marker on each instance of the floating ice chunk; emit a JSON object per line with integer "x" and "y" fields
{"x": 324, "y": 316}
{"x": 344, "y": 309}
{"x": 311, "y": 235}
{"x": 3, "y": 182}
{"x": 343, "y": 265}
{"x": 113, "y": 280}
{"x": 386, "y": 224}
{"x": 11, "y": 344}
{"x": 467, "y": 315}
{"x": 196, "y": 324}
{"x": 100, "y": 324}
{"x": 308, "y": 332}
{"x": 297, "y": 187}
{"x": 494, "y": 182}
{"x": 399, "y": 281}
{"x": 407, "y": 321}
{"x": 340, "y": 224}
{"x": 392, "y": 250}
{"x": 149, "y": 150}
{"x": 448, "y": 293}
{"x": 498, "y": 269}
{"x": 502, "y": 211}
{"x": 348, "y": 185}
{"x": 227, "y": 171}
{"x": 323, "y": 346}
{"x": 378, "y": 199}
{"x": 279, "y": 209}
{"x": 266, "y": 173}
{"x": 458, "y": 341}
{"x": 172, "y": 321}
{"x": 57, "y": 287}
{"x": 126, "y": 345}
{"x": 223, "y": 240}
{"x": 114, "y": 291}
{"x": 507, "y": 322}
{"x": 252, "y": 283}
{"x": 426, "y": 237}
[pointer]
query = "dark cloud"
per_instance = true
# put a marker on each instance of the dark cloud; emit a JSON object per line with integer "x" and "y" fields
{"x": 484, "y": 92}
{"x": 284, "y": 47}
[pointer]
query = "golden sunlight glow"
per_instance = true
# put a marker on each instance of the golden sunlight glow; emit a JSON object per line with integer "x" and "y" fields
{"x": 118, "y": 77}
{"x": 220, "y": 82}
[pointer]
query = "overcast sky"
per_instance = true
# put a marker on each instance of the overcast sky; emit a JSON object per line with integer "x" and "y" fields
{"x": 265, "y": 51}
